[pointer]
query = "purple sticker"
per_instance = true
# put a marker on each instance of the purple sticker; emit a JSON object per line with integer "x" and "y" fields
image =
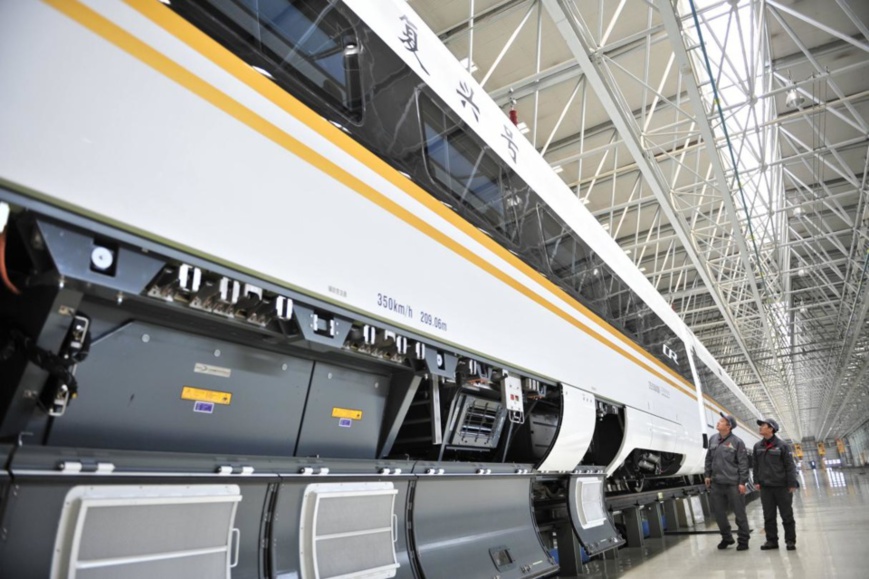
{"x": 345, "y": 422}
{"x": 206, "y": 407}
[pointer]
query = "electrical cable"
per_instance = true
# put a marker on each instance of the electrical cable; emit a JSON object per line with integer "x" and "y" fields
{"x": 6, "y": 281}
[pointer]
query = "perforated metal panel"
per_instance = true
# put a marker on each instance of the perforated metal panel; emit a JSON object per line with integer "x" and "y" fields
{"x": 591, "y": 511}
{"x": 348, "y": 530}
{"x": 210, "y": 565}
{"x": 146, "y": 531}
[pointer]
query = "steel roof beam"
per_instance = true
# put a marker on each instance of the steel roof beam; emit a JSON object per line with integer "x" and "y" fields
{"x": 674, "y": 30}
{"x": 573, "y": 30}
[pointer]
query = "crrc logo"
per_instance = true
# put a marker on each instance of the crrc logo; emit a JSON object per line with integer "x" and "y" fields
{"x": 671, "y": 353}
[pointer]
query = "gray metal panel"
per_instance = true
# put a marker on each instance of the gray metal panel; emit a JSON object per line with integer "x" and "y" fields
{"x": 323, "y": 329}
{"x": 337, "y": 387}
{"x": 26, "y": 550}
{"x": 130, "y": 396}
{"x": 284, "y": 539}
{"x": 249, "y": 520}
{"x": 71, "y": 253}
{"x": 458, "y": 519}
{"x": 30, "y": 517}
{"x": 439, "y": 363}
{"x": 599, "y": 538}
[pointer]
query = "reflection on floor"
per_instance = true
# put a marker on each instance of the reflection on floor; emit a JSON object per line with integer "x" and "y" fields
{"x": 832, "y": 516}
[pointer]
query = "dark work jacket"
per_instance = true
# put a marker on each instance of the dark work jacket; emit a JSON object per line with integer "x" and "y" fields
{"x": 774, "y": 467}
{"x": 727, "y": 460}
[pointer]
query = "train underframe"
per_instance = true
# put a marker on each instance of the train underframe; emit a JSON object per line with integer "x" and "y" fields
{"x": 140, "y": 383}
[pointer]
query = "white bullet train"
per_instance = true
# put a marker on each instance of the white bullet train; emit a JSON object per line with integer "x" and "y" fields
{"x": 285, "y": 294}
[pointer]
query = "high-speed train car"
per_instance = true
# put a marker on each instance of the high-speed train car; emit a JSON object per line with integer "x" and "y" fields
{"x": 285, "y": 294}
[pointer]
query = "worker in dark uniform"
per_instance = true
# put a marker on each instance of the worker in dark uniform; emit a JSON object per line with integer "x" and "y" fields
{"x": 775, "y": 474}
{"x": 726, "y": 477}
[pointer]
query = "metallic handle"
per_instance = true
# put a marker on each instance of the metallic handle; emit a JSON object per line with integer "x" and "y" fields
{"x": 237, "y": 534}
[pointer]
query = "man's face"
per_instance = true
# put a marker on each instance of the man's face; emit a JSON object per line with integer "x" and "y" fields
{"x": 766, "y": 430}
{"x": 723, "y": 427}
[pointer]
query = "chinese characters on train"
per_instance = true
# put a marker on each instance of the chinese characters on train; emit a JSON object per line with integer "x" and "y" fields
{"x": 410, "y": 39}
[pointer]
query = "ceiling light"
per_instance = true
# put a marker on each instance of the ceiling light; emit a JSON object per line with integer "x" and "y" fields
{"x": 643, "y": 268}
{"x": 523, "y": 127}
{"x": 798, "y": 211}
{"x": 794, "y": 100}
{"x": 606, "y": 227}
{"x": 801, "y": 272}
{"x": 558, "y": 168}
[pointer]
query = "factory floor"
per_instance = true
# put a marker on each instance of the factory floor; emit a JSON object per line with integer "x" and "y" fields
{"x": 832, "y": 519}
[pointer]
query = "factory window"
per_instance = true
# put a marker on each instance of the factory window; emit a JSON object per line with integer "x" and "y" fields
{"x": 288, "y": 40}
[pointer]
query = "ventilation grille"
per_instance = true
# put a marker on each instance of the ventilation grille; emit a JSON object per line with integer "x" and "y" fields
{"x": 146, "y": 531}
{"x": 479, "y": 424}
{"x": 591, "y": 508}
{"x": 348, "y": 530}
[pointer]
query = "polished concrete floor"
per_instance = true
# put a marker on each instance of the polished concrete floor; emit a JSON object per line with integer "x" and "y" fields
{"x": 832, "y": 517}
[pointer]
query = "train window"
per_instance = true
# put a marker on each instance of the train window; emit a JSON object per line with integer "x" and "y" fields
{"x": 580, "y": 271}
{"x": 518, "y": 208}
{"x": 289, "y": 40}
{"x": 529, "y": 238}
{"x": 576, "y": 267}
{"x": 713, "y": 386}
{"x": 467, "y": 170}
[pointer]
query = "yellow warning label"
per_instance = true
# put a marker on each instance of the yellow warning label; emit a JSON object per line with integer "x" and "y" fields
{"x": 346, "y": 413}
{"x": 191, "y": 393}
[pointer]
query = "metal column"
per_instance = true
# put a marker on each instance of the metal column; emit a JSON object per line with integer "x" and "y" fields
{"x": 569, "y": 557}
{"x": 633, "y": 519}
{"x": 656, "y": 524}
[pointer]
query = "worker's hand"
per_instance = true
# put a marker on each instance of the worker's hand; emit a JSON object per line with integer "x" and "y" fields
{"x": 742, "y": 489}
{"x": 708, "y": 482}
{"x": 757, "y": 486}
{"x": 791, "y": 489}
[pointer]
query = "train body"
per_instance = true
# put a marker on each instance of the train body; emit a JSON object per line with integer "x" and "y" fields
{"x": 287, "y": 295}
